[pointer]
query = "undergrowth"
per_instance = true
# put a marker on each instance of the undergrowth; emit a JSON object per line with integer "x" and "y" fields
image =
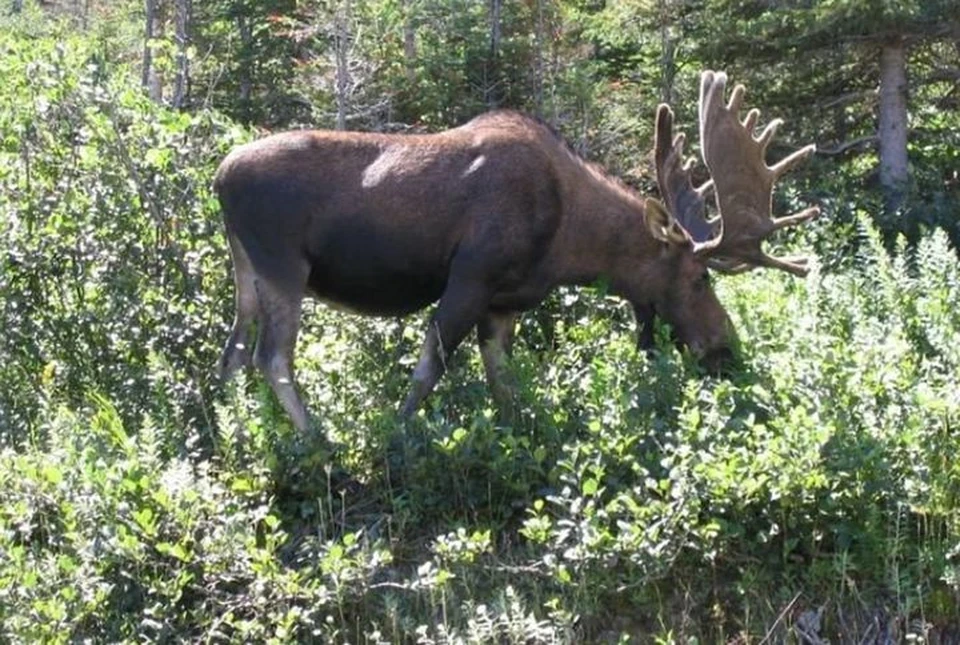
{"x": 813, "y": 493}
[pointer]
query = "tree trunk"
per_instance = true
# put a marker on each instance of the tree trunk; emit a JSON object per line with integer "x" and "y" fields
{"x": 81, "y": 12}
{"x": 150, "y": 80}
{"x": 181, "y": 86}
{"x": 491, "y": 90}
{"x": 409, "y": 42}
{"x": 246, "y": 60}
{"x": 538, "y": 61}
{"x": 894, "y": 170}
{"x": 668, "y": 63}
{"x": 341, "y": 44}
{"x": 150, "y": 6}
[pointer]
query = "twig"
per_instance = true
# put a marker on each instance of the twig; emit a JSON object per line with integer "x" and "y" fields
{"x": 164, "y": 235}
{"x": 779, "y": 618}
{"x": 402, "y": 586}
{"x": 843, "y": 147}
{"x": 846, "y": 97}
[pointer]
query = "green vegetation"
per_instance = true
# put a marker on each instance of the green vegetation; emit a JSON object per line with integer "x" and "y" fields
{"x": 816, "y": 492}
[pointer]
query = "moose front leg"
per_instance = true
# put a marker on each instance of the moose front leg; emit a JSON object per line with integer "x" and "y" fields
{"x": 645, "y": 315}
{"x": 460, "y": 307}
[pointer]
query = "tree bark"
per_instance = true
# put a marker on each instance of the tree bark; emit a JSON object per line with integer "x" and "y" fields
{"x": 150, "y": 80}
{"x": 492, "y": 81}
{"x": 181, "y": 86}
{"x": 668, "y": 63}
{"x": 341, "y": 44}
{"x": 894, "y": 168}
{"x": 82, "y": 10}
{"x": 538, "y": 60}
{"x": 246, "y": 60}
{"x": 409, "y": 42}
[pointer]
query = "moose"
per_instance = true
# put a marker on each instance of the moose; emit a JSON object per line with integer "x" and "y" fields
{"x": 487, "y": 218}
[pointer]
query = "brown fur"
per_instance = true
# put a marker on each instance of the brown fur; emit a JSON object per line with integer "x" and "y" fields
{"x": 488, "y": 218}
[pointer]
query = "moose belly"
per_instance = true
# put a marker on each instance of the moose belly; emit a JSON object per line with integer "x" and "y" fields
{"x": 376, "y": 293}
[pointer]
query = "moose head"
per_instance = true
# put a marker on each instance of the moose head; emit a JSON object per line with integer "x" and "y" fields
{"x": 730, "y": 242}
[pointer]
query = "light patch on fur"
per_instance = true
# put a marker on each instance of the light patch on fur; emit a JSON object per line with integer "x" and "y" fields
{"x": 475, "y": 166}
{"x": 424, "y": 369}
{"x": 394, "y": 161}
{"x": 336, "y": 306}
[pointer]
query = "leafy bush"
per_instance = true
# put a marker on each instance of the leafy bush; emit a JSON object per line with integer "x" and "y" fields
{"x": 634, "y": 496}
{"x": 113, "y": 275}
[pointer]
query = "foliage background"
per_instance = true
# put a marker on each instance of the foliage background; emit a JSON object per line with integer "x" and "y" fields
{"x": 812, "y": 495}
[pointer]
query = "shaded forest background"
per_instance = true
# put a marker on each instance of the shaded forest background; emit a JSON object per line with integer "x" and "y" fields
{"x": 813, "y": 496}
{"x": 873, "y": 83}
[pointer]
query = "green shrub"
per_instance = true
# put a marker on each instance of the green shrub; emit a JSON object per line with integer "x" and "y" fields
{"x": 634, "y": 496}
{"x": 112, "y": 268}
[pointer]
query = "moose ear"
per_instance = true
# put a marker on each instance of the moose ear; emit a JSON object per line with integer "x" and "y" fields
{"x": 662, "y": 225}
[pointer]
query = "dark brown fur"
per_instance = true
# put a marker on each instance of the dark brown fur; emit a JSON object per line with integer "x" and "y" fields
{"x": 486, "y": 218}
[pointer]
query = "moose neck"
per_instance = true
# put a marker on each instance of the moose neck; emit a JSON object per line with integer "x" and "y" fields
{"x": 603, "y": 237}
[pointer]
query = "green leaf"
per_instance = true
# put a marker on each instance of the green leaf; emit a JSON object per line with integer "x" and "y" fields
{"x": 590, "y": 487}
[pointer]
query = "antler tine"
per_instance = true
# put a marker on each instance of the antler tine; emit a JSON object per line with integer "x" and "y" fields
{"x": 795, "y": 265}
{"x": 743, "y": 181}
{"x": 767, "y": 135}
{"x": 736, "y": 99}
{"x": 706, "y": 188}
{"x": 686, "y": 203}
{"x": 730, "y": 267}
{"x": 805, "y": 215}
{"x": 787, "y": 164}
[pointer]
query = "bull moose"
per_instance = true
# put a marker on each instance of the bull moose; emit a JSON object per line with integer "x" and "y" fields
{"x": 488, "y": 218}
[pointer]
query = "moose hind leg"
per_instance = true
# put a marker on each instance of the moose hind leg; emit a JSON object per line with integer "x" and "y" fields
{"x": 460, "y": 307}
{"x": 495, "y": 335}
{"x": 276, "y": 336}
{"x": 236, "y": 352}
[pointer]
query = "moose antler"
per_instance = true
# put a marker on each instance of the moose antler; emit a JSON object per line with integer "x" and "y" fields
{"x": 743, "y": 181}
{"x": 683, "y": 201}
